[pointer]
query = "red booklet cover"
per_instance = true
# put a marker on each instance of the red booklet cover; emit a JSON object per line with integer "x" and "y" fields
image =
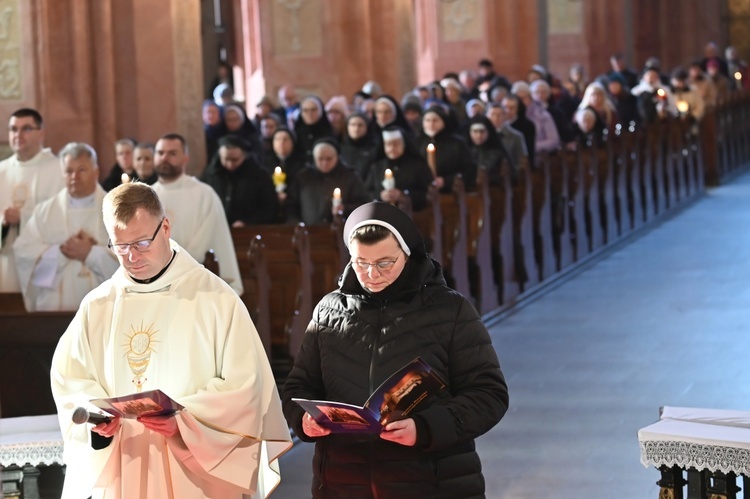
{"x": 150, "y": 403}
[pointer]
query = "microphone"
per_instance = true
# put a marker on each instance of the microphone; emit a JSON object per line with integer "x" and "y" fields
{"x": 81, "y": 415}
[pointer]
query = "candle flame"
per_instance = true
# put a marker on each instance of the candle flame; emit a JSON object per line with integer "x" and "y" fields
{"x": 337, "y": 193}
{"x": 277, "y": 170}
{"x": 124, "y": 178}
{"x": 430, "y": 147}
{"x": 661, "y": 92}
{"x": 682, "y": 106}
{"x": 738, "y": 75}
{"x": 388, "y": 173}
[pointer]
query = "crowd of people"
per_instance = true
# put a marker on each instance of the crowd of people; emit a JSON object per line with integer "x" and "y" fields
{"x": 304, "y": 160}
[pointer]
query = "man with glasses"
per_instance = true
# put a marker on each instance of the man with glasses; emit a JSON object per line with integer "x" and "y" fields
{"x": 165, "y": 322}
{"x": 197, "y": 215}
{"x": 27, "y": 178}
{"x": 61, "y": 254}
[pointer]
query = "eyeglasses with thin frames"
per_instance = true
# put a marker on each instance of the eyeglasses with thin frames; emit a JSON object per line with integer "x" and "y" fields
{"x": 23, "y": 129}
{"x": 382, "y": 266}
{"x": 140, "y": 246}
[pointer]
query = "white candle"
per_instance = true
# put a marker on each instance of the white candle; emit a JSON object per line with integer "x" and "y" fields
{"x": 336, "y": 198}
{"x": 388, "y": 181}
{"x": 431, "y": 159}
{"x": 124, "y": 178}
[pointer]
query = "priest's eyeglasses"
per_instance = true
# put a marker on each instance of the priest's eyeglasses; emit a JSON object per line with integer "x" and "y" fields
{"x": 381, "y": 266}
{"x": 139, "y": 246}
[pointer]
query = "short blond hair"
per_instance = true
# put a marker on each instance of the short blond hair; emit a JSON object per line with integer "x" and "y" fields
{"x": 122, "y": 202}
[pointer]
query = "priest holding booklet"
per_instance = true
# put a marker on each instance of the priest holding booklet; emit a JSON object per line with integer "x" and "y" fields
{"x": 165, "y": 322}
{"x": 391, "y": 306}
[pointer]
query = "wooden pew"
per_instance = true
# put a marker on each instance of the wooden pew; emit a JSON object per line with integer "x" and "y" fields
{"x": 329, "y": 256}
{"x": 544, "y": 248}
{"x": 577, "y": 202}
{"x": 591, "y": 156}
{"x": 27, "y": 343}
{"x": 277, "y": 274}
{"x": 523, "y": 230}
{"x": 429, "y": 222}
{"x": 455, "y": 259}
{"x": 502, "y": 238}
{"x": 479, "y": 246}
{"x": 607, "y": 185}
{"x": 616, "y": 148}
{"x": 560, "y": 202}
{"x": 632, "y": 154}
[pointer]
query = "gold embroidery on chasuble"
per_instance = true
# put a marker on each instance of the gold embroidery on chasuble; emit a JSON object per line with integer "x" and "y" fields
{"x": 140, "y": 345}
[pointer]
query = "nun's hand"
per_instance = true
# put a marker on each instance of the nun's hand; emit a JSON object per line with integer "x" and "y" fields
{"x": 402, "y": 432}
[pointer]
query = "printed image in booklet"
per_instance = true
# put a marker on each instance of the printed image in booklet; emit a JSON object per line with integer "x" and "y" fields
{"x": 395, "y": 399}
{"x": 150, "y": 403}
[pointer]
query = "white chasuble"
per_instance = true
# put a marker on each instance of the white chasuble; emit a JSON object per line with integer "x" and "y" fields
{"x": 24, "y": 184}
{"x": 188, "y": 334}
{"x": 198, "y": 223}
{"x": 50, "y": 281}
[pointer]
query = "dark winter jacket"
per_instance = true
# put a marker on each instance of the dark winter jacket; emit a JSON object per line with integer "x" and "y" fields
{"x": 355, "y": 342}
{"x": 247, "y": 193}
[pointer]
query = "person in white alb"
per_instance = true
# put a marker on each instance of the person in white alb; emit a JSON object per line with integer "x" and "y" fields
{"x": 198, "y": 220}
{"x": 27, "y": 178}
{"x": 163, "y": 321}
{"x": 62, "y": 252}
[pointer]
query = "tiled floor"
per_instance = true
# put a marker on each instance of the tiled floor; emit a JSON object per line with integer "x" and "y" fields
{"x": 661, "y": 321}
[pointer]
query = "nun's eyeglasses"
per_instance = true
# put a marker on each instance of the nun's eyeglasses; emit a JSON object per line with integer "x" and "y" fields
{"x": 139, "y": 246}
{"x": 381, "y": 266}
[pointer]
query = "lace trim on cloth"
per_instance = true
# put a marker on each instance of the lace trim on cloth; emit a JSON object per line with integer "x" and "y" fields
{"x": 699, "y": 456}
{"x": 34, "y": 454}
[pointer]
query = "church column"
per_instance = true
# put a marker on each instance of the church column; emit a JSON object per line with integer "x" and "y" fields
{"x": 99, "y": 71}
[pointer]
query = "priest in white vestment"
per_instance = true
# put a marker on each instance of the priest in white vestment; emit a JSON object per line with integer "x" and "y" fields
{"x": 164, "y": 321}
{"x": 198, "y": 220}
{"x": 30, "y": 176}
{"x": 62, "y": 252}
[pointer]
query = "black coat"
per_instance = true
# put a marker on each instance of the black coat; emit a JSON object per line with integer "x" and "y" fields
{"x": 311, "y": 193}
{"x": 355, "y": 342}
{"x": 410, "y": 173}
{"x": 452, "y": 157}
{"x": 247, "y": 194}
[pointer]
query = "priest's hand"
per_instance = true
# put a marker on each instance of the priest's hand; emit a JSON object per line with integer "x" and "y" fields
{"x": 165, "y": 425}
{"x": 312, "y": 428}
{"x": 108, "y": 429}
{"x": 11, "y": 216}
{"x": 78, "y": 247}
{"x": 402, "y": 432}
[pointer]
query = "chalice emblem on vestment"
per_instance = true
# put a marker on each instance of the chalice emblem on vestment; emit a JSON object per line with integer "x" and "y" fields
{"x": 140, "y": 345}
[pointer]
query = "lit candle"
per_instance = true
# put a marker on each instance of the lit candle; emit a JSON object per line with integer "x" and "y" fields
{"x": 738, "y": 77}
{"x": 336, "y": 198}
{"x": 279, "y": 179}
{"x": 124, "y": 178}
{"x": 388, "y": 181}
{"x": 431, "y": 159}
{"x": 661, "y": 94}
{"x": 683, "y": 107}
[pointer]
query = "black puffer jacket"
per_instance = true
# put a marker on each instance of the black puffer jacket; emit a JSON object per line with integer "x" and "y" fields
{"x": 355, "y": 342}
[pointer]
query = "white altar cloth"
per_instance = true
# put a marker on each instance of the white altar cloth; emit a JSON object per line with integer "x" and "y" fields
{"x": 717, "y": 440}
{"x": 30, "y": 440}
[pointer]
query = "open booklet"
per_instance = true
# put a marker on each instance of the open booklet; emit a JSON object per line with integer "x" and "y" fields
{"x": 150, "y": 403}
{"x": 394, "y": 399}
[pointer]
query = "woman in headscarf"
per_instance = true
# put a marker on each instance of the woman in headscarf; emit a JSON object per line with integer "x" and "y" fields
{"x": 239, "y": 125}
{"x": 393, "y": 305}
{"x": 311, "y": 194}
{"x": 213, "y": 127}
{"x": 311, "y": 124}
{"x": 358, "y": 149}
{"x": 388, "y": 112}
{"x": 286, "y": 154}
{"x": 486, "y": 149}
{"x": 452, "y": 156}
{"x": 410, "y": 174}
